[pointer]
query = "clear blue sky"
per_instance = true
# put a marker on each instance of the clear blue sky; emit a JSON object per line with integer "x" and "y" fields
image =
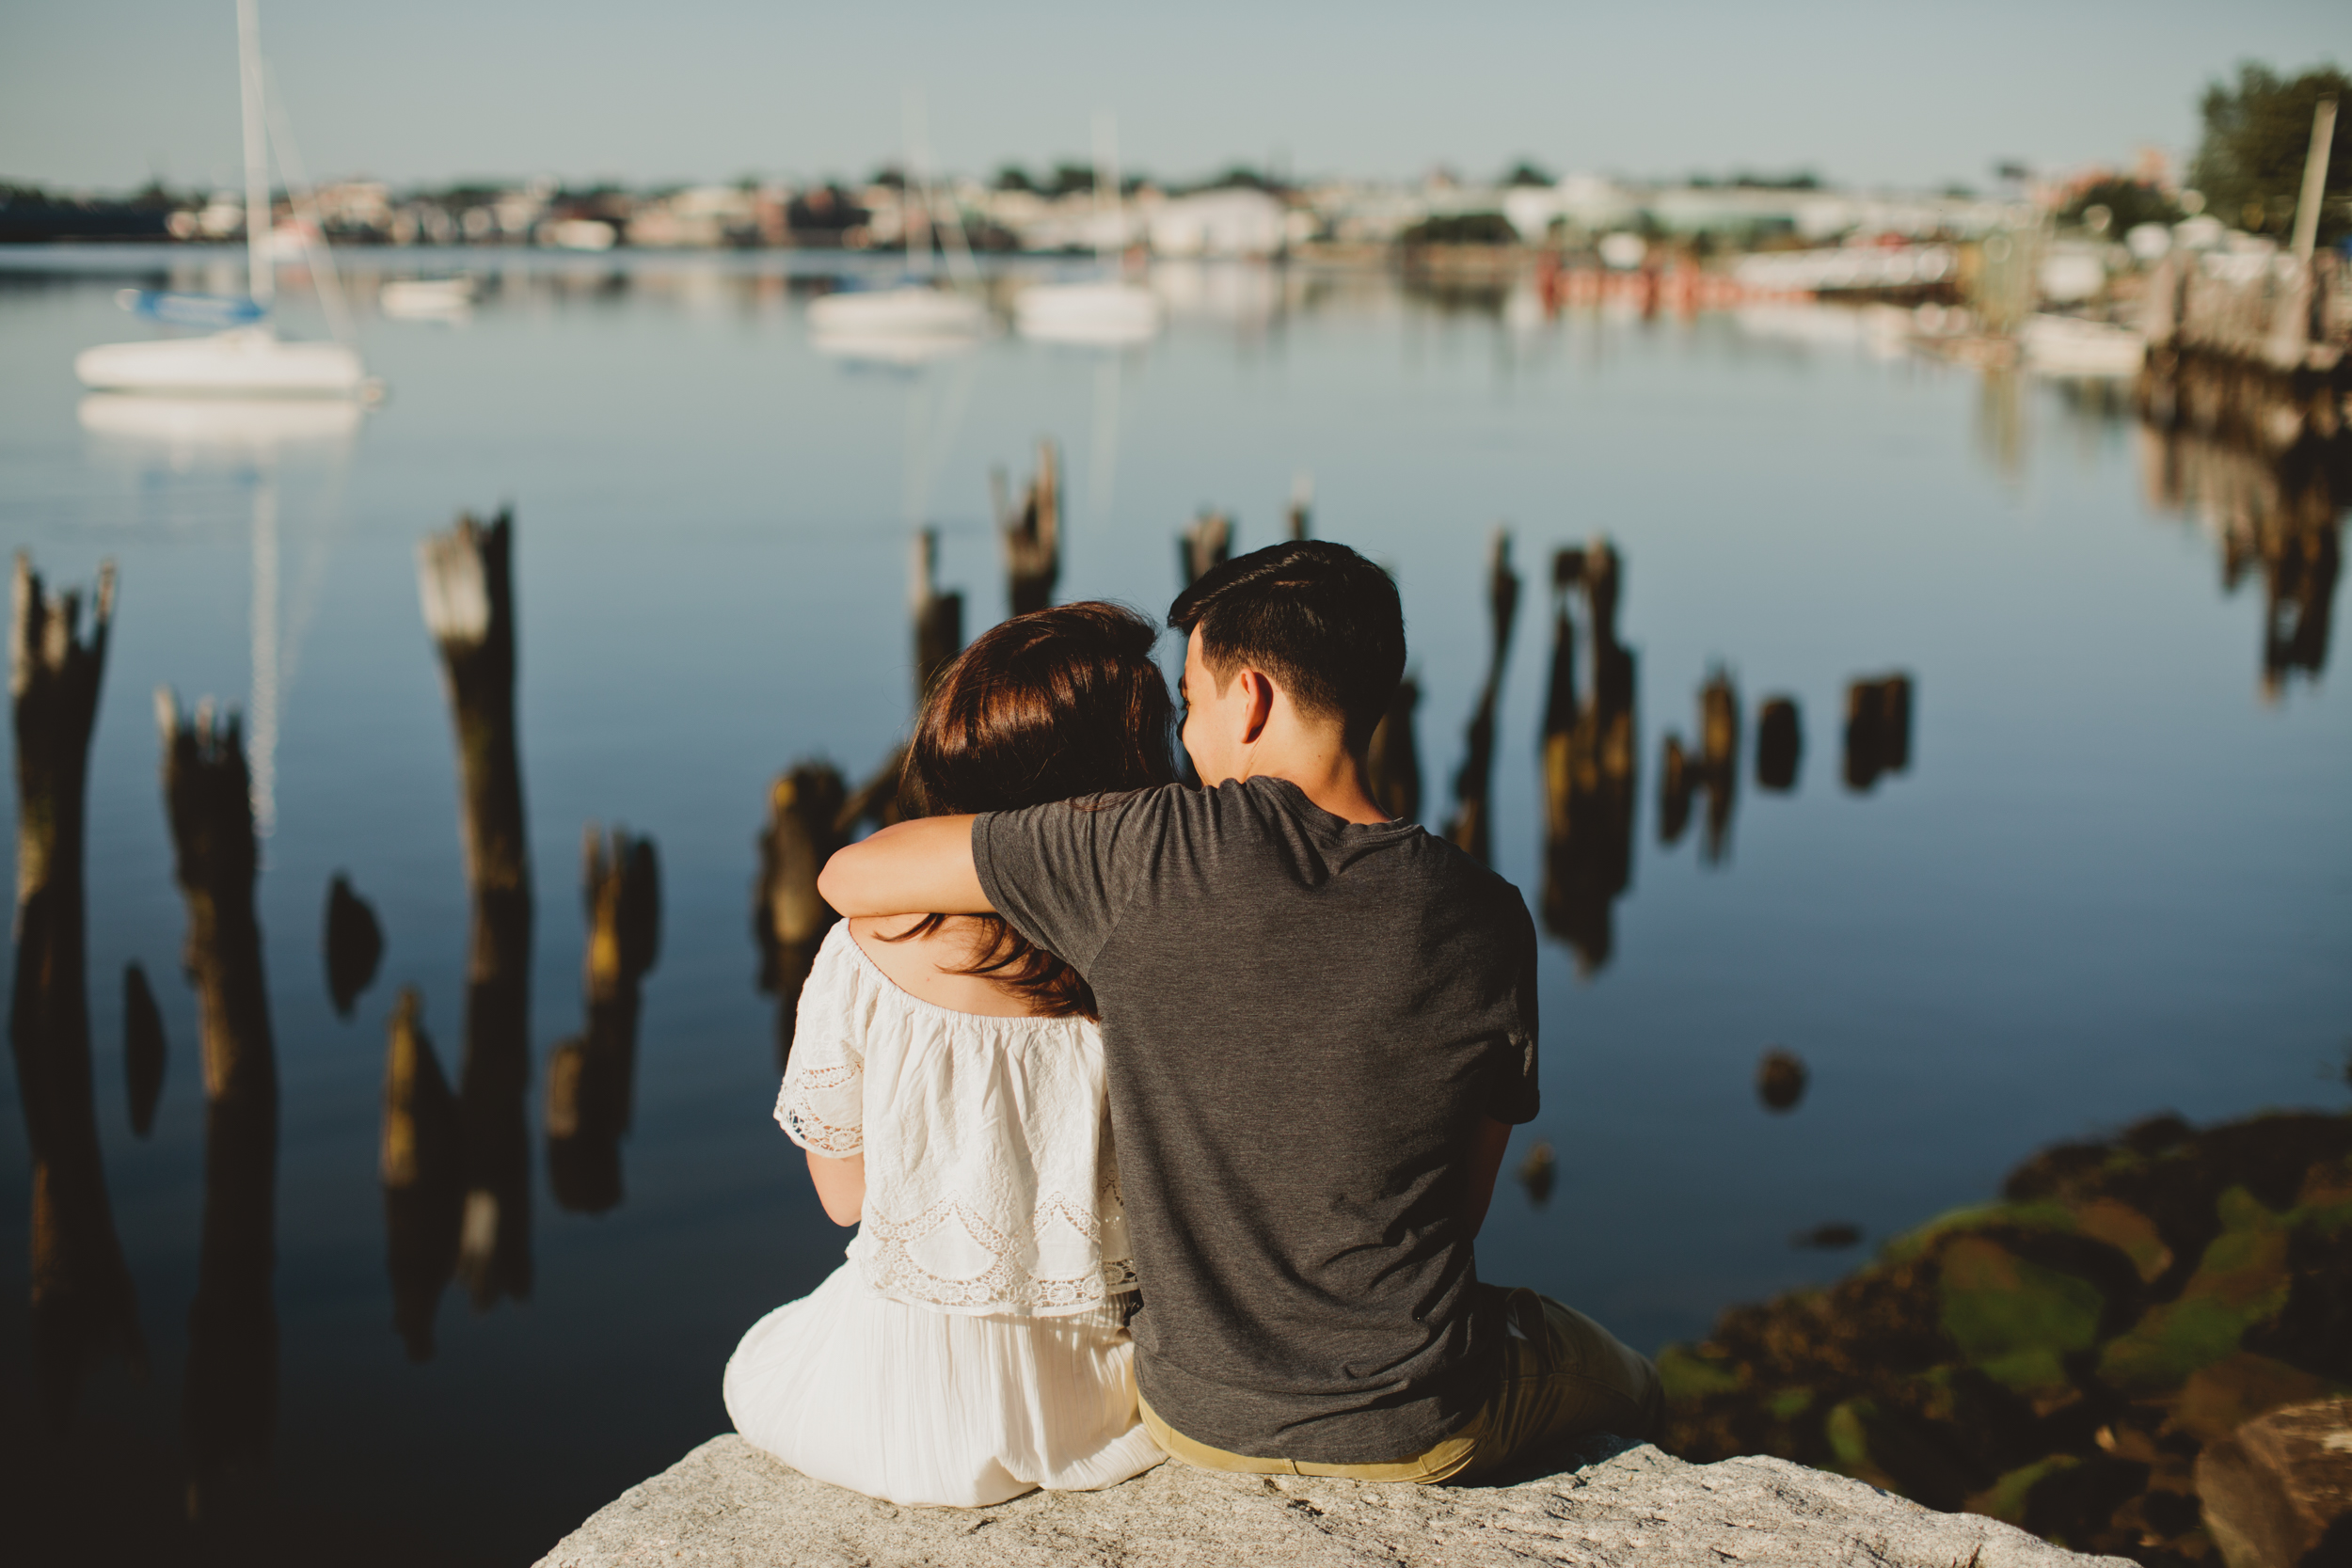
{"x": 97, "y": 93}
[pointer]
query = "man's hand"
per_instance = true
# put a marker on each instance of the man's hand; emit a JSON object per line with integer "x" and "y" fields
{"x": 923, "y": 867}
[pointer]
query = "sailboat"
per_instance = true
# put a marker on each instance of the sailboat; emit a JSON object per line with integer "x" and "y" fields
{"x": 249, "y": 360}
{"x": 1109, "y": 310}
{"x": 910, "y": 320}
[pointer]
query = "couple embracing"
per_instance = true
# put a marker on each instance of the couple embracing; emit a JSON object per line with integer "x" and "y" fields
{"x": 1167, "y": 1116}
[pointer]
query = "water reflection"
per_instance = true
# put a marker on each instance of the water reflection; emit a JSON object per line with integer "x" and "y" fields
{"x": 2283, "y": 519}
{"x": 422, "y": 1163}
{"x": 142, "y": 1048}
{"x": 464, "y": 579}
{"x": 83, "y": 1304}
{"x": 255, "y": 437}
{"x": 231, "y": 1389}
{"x": 591, "y": 1078}
{"x": 1588, "y": 752}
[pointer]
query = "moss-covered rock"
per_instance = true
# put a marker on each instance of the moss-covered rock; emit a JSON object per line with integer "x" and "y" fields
{"x": 2058, "y": 1359}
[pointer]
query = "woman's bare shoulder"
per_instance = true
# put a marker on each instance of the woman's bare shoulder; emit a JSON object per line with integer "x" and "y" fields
{"x": 924, "y": 966}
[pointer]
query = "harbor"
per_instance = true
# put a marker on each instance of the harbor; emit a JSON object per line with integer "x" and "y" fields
{"x": 1885, "y": 631}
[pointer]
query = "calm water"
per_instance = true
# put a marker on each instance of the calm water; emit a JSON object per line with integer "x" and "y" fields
{"x": 2116, "y": 878}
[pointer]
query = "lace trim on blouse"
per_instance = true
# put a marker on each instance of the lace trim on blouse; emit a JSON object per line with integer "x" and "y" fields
{"x": 955, "y": 1181}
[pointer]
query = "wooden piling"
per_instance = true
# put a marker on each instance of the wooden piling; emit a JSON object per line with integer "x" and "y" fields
{"x": 591, "y": 1078}
{"x": 466, "y": 583}
{"x": 1779, "y": 744}
{"x": 809, "y": 816}
{"x": 1471, "y": 827}
{"x": 142, "y": 1048}
{"x": 231, "y": 1388}
{"x": 1032, "y": 533}
{"x": 353, "y": 943}
{"x": 938, "y": 616}
{"x": 83, "y": 1304}
{"x": 1205, "y": 545}
{"x": 1719, "y": 757}
{"x": 1393, "y": 759}
{"x": 1878, "y": 730}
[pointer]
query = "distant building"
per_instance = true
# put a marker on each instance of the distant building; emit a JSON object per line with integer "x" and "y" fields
{"x": 1238, "y": 221}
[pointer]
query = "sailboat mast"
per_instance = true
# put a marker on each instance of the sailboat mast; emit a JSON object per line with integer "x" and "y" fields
{"x": 261, "y": 280}
{"x": 1110, "y": 229}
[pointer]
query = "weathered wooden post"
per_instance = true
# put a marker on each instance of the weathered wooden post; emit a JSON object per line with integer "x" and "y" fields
{"x": 1032, "y": 533}
{"x": 142, "y": 1048}
{"x": 1878, "y": 730}
{"x": 1393, "y": 759}
{"x": 591, "y": 1078}
{"x": 1471, "y": 829}
{"x": 1719, "y": 754}
{"x": 1206, "y": 544}
{"x": 938, "y": 617}
{"x": 809, "y": 816}
{"x": 82, "y": 1299}
{"x": 1588, "y": 760}
{"x": 353, "y": 944}
{"x": 1713, "y": 770}
{"x": 1779, "y": 744}
{"x": 423, "y": 1163}
{"x": 465, "y": 581}
{"x": 231, "y": 1390}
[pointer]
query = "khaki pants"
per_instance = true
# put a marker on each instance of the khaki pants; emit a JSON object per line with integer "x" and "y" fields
{"x": 1563, "y": 1376}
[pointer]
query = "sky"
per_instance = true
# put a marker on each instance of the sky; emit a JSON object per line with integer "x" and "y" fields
{"x": 100, "y": 94}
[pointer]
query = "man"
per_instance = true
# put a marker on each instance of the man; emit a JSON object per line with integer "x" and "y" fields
{"x": 1320, "y": 1026}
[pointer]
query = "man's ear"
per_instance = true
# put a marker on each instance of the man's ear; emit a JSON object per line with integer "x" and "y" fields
{"x": 1256, "y": 703}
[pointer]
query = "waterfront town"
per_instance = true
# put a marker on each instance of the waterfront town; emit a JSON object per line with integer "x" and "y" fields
{"x": 1905, "y": 719}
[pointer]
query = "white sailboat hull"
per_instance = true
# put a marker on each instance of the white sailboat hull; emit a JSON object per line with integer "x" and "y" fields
{"x": 909, "y": 312}
{"x": 1087, "y": 312}
{"x": 247, "y": 361}
{"x": 2063, "y": 346}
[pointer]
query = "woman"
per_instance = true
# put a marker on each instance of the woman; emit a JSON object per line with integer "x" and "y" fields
{"x": 946, "y": 1081}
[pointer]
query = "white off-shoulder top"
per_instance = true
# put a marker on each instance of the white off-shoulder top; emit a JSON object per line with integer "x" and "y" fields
{"x": 991, "y": 1185}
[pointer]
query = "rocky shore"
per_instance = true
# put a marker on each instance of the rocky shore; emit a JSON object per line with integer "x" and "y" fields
{"x": 2061, "y": 1359}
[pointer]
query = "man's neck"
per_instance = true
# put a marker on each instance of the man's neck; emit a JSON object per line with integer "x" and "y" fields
{"x": 1332, "y": 779}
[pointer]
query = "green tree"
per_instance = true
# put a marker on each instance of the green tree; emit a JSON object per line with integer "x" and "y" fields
{"x": 2250, "y": 163}
{"x": 2129, "y": 204}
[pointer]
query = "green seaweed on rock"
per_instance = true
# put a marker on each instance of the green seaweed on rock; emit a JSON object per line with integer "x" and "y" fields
{"x": 2058, "y": 1359}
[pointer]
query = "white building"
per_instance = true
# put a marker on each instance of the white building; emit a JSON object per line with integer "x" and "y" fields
{"x": 1236, "y": 221}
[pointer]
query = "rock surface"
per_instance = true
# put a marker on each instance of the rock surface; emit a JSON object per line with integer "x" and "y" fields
{"x": 2278, "y": 1492}
{"x": 727, "y": 1505}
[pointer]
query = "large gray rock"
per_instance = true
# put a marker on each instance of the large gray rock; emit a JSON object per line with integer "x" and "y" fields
{"x": 727, "y": 1505}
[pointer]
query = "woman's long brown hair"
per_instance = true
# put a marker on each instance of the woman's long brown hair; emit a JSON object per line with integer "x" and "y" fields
{"x": 1059, "y": 703}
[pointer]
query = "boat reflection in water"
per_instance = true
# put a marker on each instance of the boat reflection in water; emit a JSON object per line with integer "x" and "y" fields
{"x": 262, "y": 439}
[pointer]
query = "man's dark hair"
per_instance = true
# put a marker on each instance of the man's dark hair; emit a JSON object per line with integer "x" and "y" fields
{"x": 1320, "y": 619}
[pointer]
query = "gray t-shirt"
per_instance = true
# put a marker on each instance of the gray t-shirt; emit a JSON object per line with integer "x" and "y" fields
{"x": 1305, "y": 1020}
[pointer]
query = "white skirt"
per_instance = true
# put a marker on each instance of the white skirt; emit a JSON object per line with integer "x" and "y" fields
{"x": 933, "y": 1408}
